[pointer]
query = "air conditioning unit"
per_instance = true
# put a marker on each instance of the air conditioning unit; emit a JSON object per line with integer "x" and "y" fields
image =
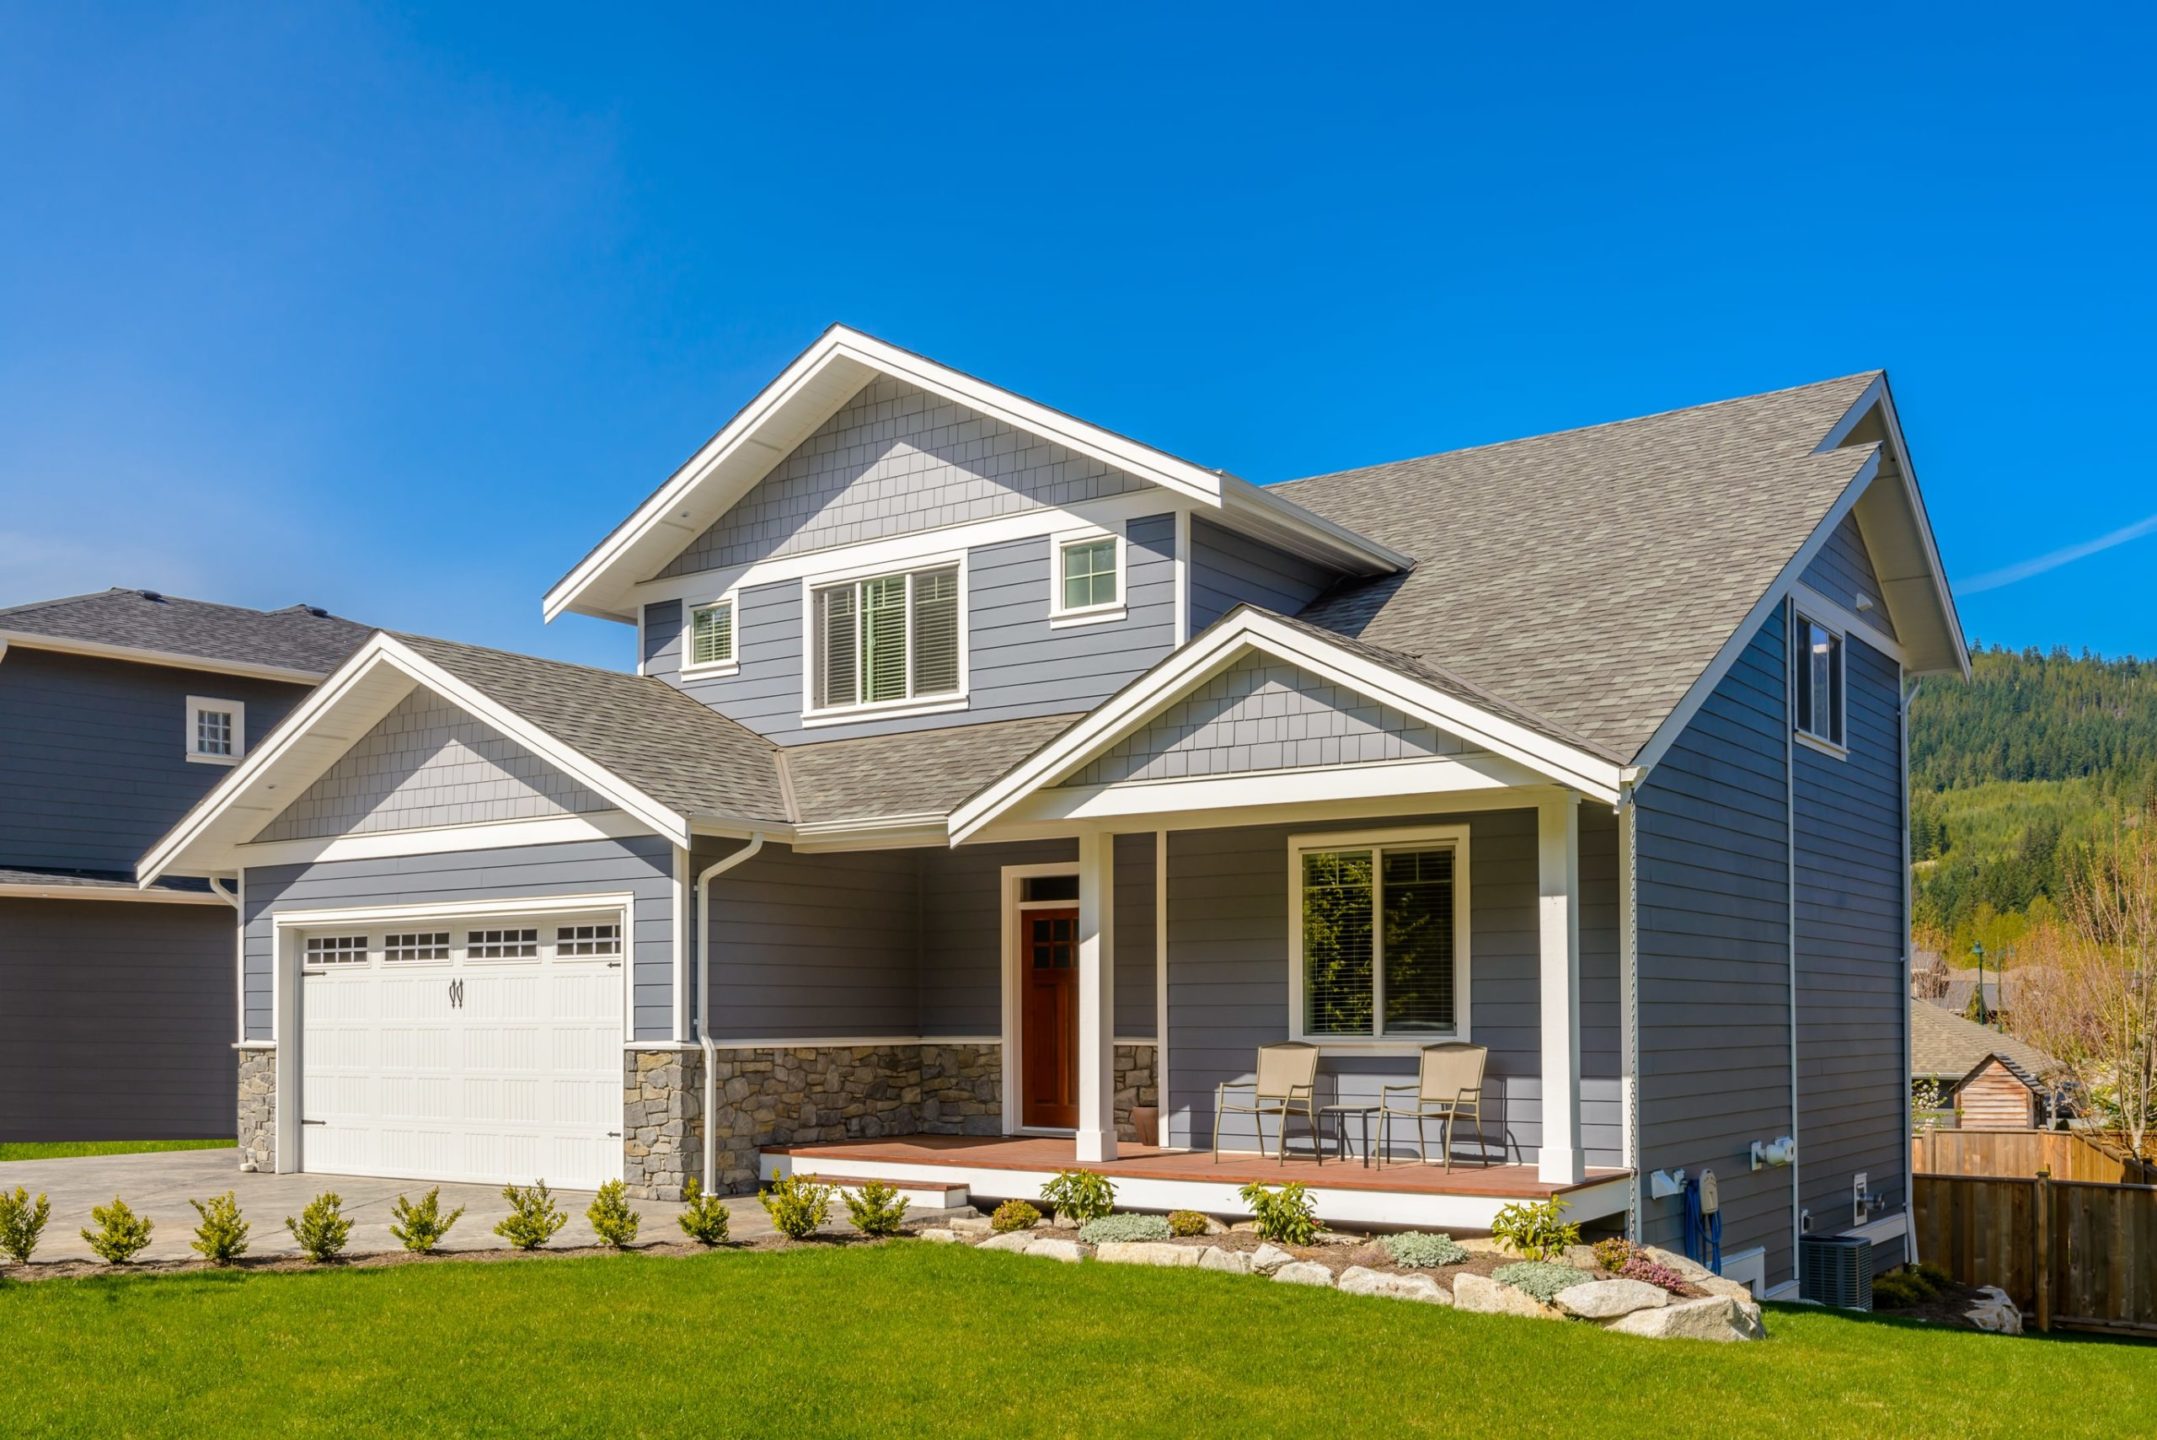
{"x": 1836, "y": 1270}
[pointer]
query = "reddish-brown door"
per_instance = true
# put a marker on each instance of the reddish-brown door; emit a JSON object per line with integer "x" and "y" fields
{"x": 1048, "y": 1040}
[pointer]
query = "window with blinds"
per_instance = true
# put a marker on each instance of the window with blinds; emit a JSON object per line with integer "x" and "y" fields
{"x": 887, "y": 639}
{"x": 711, "y": 634}
{"x": 1381, "y": 951}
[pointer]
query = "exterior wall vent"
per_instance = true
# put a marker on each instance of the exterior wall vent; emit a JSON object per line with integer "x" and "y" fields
{"x": 1836, "y": 1270}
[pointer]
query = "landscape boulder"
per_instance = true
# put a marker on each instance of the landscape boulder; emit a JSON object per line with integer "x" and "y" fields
{"x": 1146, "y": 1252}
{"x": 1357, "y": 1280}
{"x": 1233, "y": 1262}
{"x": 1304, "y": 1272}
{"x": 1047, "y": 1248}
{"x": 1485, "y": 1296}
{"x": 1268, "y": 1258}
{"x": 1608, "y": 1299}
{"x": 1712, "y": 1317}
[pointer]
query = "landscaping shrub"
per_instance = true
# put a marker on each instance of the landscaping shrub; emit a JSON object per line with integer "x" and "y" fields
{"x": 533, "y": 1217}
{"x": 1123, "y": 1227}
{"x": 1613, "y": 1252}
{"x": 797, "y": 1205}
{"x": 1285, "y": 1216}
{"x": 1540, "y": 1278}
{"x": 1014, "y": 1215}
{"x": 322, "y": 1228}
{"x": 1640, "y": 1267}
{"x": 874, "y": 1208}
{"x": 611, "y": 1218}
{"x": 704, "y": 1217}
{"x": 119, "y": 1234}
{"x": 221, "y": 1238}
{"x": 1186, "y": 1223}
{"x": 1418, "y": 1251}
{"x": 21, "y": 1223}
{"x": 1534, "y": 1230}
{"x": 1080, "y": 1195}
{"x": 1909, "y": 1286}
{"x": 419, "y": 1228}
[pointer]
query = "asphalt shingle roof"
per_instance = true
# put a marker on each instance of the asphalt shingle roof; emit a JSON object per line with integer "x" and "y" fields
{"x": 1590, "y": 576}
{"x": 1944, "y": 1046}
{"x": 926, "y": 772}
{"x": 92, "y": 881}
{"x": 298, "y": 637}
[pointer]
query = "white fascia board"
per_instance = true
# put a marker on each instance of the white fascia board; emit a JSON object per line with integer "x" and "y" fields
{"x": 1248, "y": 632}
{"x": 440, "y": 840}
{"x": 1835, "y": 614}
{"x": 843, "y": 360}
{"x": 96, "y": 649}
{"x": 1307, "y": 532}
{"x": 14, "y": 890}
{"x": 1443, "y": 781}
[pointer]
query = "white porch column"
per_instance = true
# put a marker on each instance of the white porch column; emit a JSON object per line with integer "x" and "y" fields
{"x": 1558, "y": 869}
{"x": 1097, "y": 997}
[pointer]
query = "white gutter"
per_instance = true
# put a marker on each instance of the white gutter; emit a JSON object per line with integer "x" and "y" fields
{"x": 704, "y": 993}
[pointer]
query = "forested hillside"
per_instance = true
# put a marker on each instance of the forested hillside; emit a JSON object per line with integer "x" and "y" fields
{"x": 2011, "y": 773}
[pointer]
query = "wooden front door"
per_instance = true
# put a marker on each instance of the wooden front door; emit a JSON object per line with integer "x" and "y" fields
{"x": 1048, "y": 1041}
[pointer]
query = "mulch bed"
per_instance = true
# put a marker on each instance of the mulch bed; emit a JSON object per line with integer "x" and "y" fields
{"x": 1951, "y": 1307}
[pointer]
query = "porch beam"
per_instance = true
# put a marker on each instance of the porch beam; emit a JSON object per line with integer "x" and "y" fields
{"x": 1097, "y": 997}
{"x": 1558, "y": 914}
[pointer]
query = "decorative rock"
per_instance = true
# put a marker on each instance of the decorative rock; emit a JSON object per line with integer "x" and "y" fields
{"x": 1304, "y": 1272}
{"x": 1244, "y": 1227}
{"x": 941, "y": 1235}
{"x": 1712, "y": 1317}
{"x": 973, "y": 1226}
{"x": 1356, "y": 1280}
{"x": 1234, "y": 1262}
{"x": 1996, "y": 1313}
{"x": 1336, "y": 1237}
{"x": 1146, "y": 1252}
{"x": 1581, "y": 1257}
{"x": 1014, "y": 1243}
{"x": 1608, "y": 1299}
{"x": 1268, "y": 1258}
{"x": 1215, "y": 1227}
{"x": 1485, "y": 1296}
{"x": 1064, "y": 1250}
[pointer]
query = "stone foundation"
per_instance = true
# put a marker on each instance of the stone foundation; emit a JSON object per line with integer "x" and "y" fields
{"x": 1135, "y": 1085}
{"x": 258, "y": 1110}
{"x": 662, "y": 1121}
{"x": 962, "y": 1089}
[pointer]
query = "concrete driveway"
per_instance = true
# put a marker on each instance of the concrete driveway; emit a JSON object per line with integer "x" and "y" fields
{"x": 160, "y": 1185}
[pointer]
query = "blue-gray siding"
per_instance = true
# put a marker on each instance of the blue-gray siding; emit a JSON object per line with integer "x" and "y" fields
{"x": 1228, "y": 980}
{"x": 1018, "y": 665}
{"x": 116, "y": 1020}
{"x": 1843, "y": 572}
{"x": 93, "y": 769}
{"x": 641, "y": 865}
{"x": 1228, "y": 569}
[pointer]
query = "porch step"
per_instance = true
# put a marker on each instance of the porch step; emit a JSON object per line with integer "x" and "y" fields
{"x": 921, "y": 1194}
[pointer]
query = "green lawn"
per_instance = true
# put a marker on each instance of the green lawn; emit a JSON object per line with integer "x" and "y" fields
{"x": 70, "y": 1149}
{"x": 920, "y": 1340}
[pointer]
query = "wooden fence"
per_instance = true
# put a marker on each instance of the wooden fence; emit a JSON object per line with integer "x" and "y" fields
{"x": 2020, "y": 1153}
{"x": 2074, "y": 1254}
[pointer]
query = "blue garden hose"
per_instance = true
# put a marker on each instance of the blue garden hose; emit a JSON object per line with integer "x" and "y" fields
{"x": 1703, "y": 1233}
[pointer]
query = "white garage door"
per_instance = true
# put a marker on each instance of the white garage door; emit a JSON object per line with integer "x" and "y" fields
{"x": 487, "y": 1050}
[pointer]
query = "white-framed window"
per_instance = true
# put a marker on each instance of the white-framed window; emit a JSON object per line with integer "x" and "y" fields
{"x": 888, "y": 641}
{"x": 587, "y": 940}
{"x": 216, "y": 730}
{"x": 336, "y": 950}
{"x": 1817, "y": 682}
{"x": 516, "y": 944}
{"x": 709, "y": 643}
{"x": 1087, "y": 578}
{"x": 1378, "y": 936}
{"x": 415, "y": 946}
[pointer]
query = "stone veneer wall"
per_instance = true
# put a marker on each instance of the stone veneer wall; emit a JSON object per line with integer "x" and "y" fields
{"x": 662, "y": 1121}
{"x": 258, "y": 1110}
{"x": 1136, "y": 1084}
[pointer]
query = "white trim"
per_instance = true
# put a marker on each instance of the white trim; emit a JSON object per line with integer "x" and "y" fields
{"x": 1183, "y": 576}
{"x": 1749, "y": 1267}
{"x": 1317, "y": 812}
{"x": 17, "y": 890}
{"x": 1096, "y": 1137}
{"x": 1160, "y": 985}
{"x": 1840, "y": 652}
{"x": 1062, "y": 616}
{"x": 1846, "y": 621}
{"x": 1826, "y": 747}
{"x": 1560, "y": 1157}
{"x": 845, "y": 1042}
{"x": 681, "y": 908}
{"x": 1456, "y": 837}
{"x": 253, "y": 1045}
{"x": 1790, "y": 733}
{"x": 167, "y": 659}
{"x": 441, "y": 839}
{"x": 1441, "y": 779}
{"x": 235, "y": 712}
{"x": 461, "y": 910}
{"x": 1629, "y": 999}
{"x": 1887, "y": 1227}
{"x": 708, "y": 670}
{"x": 1010, "y": 880}
{"x": 812, "y": 715}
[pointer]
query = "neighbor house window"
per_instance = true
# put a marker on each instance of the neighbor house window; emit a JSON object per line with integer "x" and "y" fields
{"x": 711, "y": 634}
{"x": 216, "y": 730}
{"x": 1089, "y": 576}
{"x": 1381, "y": 931}
{"x": 887, "y": 639}
{"x": 1819, "y": 682}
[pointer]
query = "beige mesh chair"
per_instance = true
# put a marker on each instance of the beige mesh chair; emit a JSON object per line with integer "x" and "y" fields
{"x": 1286, "y": 1084}
{"x": 1448, "y": 1085}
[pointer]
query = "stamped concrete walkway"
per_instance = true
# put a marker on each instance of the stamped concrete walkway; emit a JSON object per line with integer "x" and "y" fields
{"x": 160, "y": 1185}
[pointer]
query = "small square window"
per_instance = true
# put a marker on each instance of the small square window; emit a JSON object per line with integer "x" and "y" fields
{"x": 216, "y": 730}
{"x": 1089, "y": 575}
{"x": 711, "y": 634}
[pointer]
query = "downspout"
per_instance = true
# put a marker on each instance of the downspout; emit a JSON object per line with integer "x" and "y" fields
{"x": 1909, "y": 920}
{"x": 705, "y": 877}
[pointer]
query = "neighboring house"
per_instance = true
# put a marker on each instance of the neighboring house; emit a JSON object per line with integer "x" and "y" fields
{"x": 1991, "y": 1080}
{"x": 988, "y": 773}
{"x": 118, "y": 1010}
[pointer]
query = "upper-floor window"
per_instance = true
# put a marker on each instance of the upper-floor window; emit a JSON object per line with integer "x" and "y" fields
{"x": 1818, "y": 682}
{"x": 711, "y": 635}
{"x": 886, "y": 640}
{"x": 216, "y": 730}
{"x": 1380, "y": 925}
{"x": 1089, "y": 577}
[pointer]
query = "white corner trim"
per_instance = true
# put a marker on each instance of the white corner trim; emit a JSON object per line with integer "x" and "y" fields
{"x": 98, "y": 650}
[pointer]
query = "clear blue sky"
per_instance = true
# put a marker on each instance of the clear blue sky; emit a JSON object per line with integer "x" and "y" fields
{"x": 397, "y": 313}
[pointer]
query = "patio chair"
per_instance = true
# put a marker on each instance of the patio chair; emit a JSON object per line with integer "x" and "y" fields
{"x": 1286, "y": 1084}
{"x": 1448, "y": 1085}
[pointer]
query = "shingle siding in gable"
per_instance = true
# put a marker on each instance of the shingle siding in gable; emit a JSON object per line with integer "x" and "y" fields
{"x": 1843, "y": 571}
{"x": 894, "y": 460}
{"x": 1266, "y": 714}
{"x": 1228, "y": 570}
{"x": 429, "y": 763}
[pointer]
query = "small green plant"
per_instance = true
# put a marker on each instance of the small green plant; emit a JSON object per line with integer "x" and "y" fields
{"x": 1014, "y": 1215}
{"x": 1534, "y": 1230}
{"x": 120, "y": 1232}
{"x": 322, "y": 1228}
{"x": 613, "y": 1221}
{"x": 533, "y": 1217}
{"x": 1285, "y": 1216}
{"x": 1540, "y": 1278}
{"x": 1080, "y": 1195}
{"x": 1186, "y": 1223}
{"x": 419, "y": 1228}
{"x": 1909, "y": 1287}
{"x": 1123, "y": 1227}
{"x": 875, "y": 1208}
{"x": 221, "y": 1238}
{"x": 704, "y": 1217}
{"x": 21, "y": 1223}
{"x": 797, "y": 1205}
{"x": 1612, "y": 1252}
{"x": 1418, "y": 1251}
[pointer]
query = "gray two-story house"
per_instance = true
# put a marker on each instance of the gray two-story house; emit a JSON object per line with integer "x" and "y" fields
{"x": 993, "y": 786}
{"x": 119, "y": 710}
